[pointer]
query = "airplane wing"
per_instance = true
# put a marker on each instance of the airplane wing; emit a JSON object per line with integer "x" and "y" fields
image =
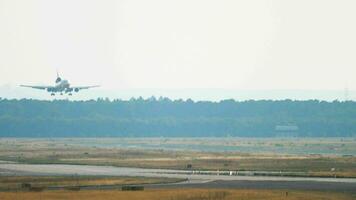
{"x": 84, "y": 87}
{"x": 37, "y": 87}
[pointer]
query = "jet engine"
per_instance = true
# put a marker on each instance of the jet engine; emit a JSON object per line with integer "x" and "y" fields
{"x": 69, "y": 90}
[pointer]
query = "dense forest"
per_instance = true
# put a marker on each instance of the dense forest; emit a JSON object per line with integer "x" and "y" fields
{"x": 177, "y": 118}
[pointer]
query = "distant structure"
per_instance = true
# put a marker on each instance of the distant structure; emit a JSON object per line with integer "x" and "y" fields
{"x": 286, "y": 130}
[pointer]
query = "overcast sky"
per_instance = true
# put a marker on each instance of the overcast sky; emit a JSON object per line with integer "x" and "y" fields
{"x": 231, "y": 44}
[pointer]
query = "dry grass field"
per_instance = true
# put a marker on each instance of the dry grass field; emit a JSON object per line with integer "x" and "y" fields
{"x": 72, "y": 151}
{"x": 177, "y": 194}
{"x": 69, "y": 151}
{"x": 15, "y": 182}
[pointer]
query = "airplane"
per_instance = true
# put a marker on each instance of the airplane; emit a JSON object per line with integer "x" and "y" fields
{"x": 61, "y": 86}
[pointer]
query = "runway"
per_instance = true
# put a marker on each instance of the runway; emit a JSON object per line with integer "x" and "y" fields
{"x": 193, "y": 180}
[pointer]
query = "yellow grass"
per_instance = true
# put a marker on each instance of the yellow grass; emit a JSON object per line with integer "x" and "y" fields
{"x": 178, "y": 194}
{"x": 14, "y": 182}
{"x": 69, "y": 151}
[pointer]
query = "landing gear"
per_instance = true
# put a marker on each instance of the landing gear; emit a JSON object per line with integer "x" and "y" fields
{"x": 52, "y": 94}
{"x": 70, "y": 94}
{"x": 61, "y": 93}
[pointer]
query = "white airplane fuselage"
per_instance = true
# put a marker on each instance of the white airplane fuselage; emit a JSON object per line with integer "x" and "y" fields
{"x": 62, "y": 85}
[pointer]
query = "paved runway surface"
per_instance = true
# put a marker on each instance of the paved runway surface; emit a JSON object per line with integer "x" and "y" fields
{"x": 194, "y": 180}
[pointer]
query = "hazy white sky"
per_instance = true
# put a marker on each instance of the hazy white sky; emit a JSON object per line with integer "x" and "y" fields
{"x": 246, "y": 44}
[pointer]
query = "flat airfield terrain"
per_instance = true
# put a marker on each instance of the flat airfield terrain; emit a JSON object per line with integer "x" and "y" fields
{"x": 308, "y": 157}
{"x": 179, "y": 194}
{"x": 194, "y": 168}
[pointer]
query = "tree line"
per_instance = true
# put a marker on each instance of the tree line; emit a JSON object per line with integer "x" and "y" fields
{"x": 164, "y": 117}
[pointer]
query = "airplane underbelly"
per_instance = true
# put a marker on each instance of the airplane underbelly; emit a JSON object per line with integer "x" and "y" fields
{"x": 64, "y": 86}
{"x": 61, "y": 88}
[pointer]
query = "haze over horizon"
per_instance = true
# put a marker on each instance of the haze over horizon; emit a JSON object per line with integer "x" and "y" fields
{"x": 222, "y": 46}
